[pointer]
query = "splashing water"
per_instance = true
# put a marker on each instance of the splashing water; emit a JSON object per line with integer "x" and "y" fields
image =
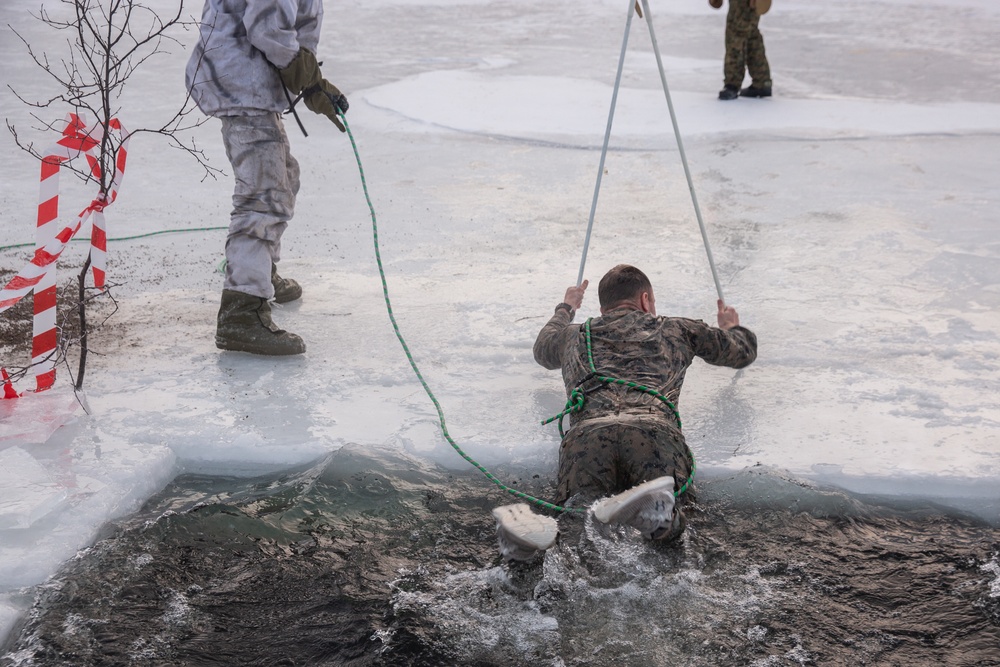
{"x": 372, "y": 558}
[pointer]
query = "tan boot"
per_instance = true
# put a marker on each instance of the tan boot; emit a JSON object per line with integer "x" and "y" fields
{"x": 245, "y": 325}
{"x": 285, "y": 289}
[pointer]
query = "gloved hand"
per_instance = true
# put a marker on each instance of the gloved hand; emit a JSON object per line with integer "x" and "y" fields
{"x": 715, "y": 3}
{"x": 324, "y": 98}
{"x": 303, "y": 76}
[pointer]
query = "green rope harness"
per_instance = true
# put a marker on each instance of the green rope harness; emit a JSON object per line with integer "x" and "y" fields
{"x": 577, "y": 398}
{"x": 413, "y": 364}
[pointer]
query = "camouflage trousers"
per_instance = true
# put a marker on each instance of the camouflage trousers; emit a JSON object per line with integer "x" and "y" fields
{"x": 745, "y": 47}
{"x": 267, "y": 180}
{"x": 607, "y": 455}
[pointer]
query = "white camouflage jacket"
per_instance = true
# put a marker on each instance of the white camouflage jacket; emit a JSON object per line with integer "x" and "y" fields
{"x": 232, "y": 69}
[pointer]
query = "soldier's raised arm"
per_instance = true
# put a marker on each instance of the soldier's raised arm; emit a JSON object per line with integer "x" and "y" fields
{"x": 549, "y": 343}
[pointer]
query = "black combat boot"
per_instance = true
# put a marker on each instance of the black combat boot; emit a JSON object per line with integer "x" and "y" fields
{"x": 754, "y": 91}
{"x": 245, "y": 325}
{"x": 285, "y": 289}
{"x": 730, "y": 92}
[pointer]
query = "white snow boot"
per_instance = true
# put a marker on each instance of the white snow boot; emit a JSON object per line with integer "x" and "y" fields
{"x": 521, "y": 533}
{"x": 648, "y": 507}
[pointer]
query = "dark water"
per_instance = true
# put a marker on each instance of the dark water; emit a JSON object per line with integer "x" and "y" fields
{"x": 377, "y": 559}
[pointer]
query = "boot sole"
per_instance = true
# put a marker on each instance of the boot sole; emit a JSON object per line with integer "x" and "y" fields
{"x": 648, "y": 503}
{"x": 623, "y": 505}
{"x": 522, "y": 533}
{"x": 239, "y": 346}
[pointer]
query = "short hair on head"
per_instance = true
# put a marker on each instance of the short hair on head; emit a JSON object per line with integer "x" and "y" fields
{"x": 620, "y": 284}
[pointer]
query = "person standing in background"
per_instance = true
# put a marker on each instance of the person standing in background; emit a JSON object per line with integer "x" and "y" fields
{"x": 745, "y": 50}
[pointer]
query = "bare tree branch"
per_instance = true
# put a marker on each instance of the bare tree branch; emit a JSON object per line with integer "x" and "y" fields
{"x": 107, "y": 43}
{"x": 110, "y": 42}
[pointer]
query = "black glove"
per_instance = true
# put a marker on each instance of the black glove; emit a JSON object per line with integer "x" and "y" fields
{"x": 302, "y": 76}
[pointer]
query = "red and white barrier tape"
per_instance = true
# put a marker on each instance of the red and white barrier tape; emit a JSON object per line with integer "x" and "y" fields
{"x": 39, "y": 276}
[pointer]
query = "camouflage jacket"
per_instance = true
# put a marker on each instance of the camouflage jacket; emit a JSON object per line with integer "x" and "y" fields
{"x": 631, "y": 345}
{"x": 231, "y": 71}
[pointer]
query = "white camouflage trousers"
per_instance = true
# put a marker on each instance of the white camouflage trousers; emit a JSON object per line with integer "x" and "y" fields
{"x": 267, "y": 180}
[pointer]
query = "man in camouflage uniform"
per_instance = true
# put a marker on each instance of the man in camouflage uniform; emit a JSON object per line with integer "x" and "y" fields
{"x": 622, "y": 436}
{"x": 744, "y": 51}
{"x": 252, "y": 57}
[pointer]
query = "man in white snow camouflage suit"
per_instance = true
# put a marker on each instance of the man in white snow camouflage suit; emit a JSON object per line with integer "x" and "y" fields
{"x": 253, "y": 58}
{"x": 623, "y": 437}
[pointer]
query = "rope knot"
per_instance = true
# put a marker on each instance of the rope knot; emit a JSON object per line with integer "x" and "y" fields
{"x": 575, "y": 401}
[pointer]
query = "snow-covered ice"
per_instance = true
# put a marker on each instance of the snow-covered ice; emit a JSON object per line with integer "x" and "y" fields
{"x": 853, "y": 217}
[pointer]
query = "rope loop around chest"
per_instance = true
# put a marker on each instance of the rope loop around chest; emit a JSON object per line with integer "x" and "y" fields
{"x": 577, "y": 397}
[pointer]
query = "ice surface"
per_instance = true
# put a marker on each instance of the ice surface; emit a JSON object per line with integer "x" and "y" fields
{"x": 34, "y": 421}
{"x": 566, "y": 110}
{"x": 853, "y": 218}
{"x": 29, "y": 491}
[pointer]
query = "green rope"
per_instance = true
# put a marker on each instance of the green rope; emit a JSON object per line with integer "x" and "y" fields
{"x": 125, "y": 238}
{"x": 413, "y": 364}
{"x": 577, "y": 398}
{"x": 573, "y": 404}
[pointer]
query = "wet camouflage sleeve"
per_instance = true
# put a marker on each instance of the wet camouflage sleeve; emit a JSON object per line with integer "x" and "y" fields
{"x": 635, "y": 346}
{"x": 552, "y": 339}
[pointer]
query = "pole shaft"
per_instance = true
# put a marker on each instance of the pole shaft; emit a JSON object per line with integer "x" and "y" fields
{"x": 607, "y": 138}
{"x": 680, "y": 147}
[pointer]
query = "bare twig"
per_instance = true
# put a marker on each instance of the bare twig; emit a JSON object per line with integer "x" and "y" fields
{"x": 106, "y": 43}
